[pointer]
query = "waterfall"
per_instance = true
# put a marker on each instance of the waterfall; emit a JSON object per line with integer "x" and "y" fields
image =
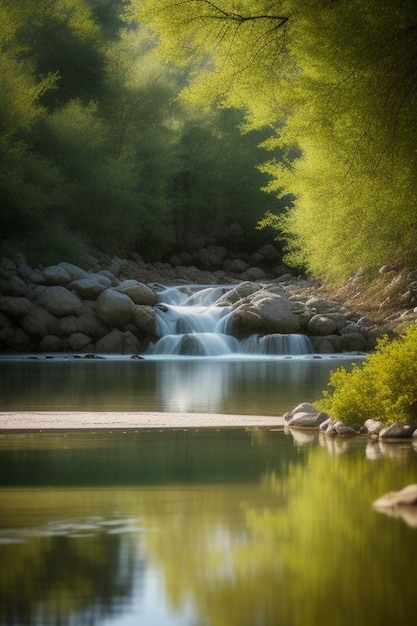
{"x": 190, "y": 322}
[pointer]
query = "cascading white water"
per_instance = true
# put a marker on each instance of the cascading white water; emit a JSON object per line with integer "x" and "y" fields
{"x": 193, "y": 324}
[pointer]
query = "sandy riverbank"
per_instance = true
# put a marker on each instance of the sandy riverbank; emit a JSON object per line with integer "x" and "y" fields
{"x": 74, "y": 420}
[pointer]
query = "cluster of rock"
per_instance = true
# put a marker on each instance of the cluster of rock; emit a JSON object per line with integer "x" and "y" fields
{"x": 110, "y": 308}
{"x": 65, "y": 308}
{"x": 263, "y": 263}
{"x": 307, "y": 416}
{"x": 278, "y": 307}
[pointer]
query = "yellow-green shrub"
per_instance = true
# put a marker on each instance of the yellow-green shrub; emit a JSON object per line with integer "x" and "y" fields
{"x": 383, "y": 387}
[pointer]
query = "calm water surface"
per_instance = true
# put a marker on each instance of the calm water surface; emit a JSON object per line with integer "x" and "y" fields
{"x": 250, "y": 386}
{"x": 209, "y": 527}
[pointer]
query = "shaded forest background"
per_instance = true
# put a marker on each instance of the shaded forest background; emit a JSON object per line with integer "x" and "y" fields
{"x": 136, "y": 125}
{"x": 96, "y": 149}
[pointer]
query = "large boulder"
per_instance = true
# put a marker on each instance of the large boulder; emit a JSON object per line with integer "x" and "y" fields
{"x": 88, "y": 323}
{"x": 265, "y": 313}
{"x": 137, "y": 292}
{"x": 73, "y": 271}
{"x": 50, "y": 343}
{"x": 87, "y": 288}
{"x": 112, "y": 343}
{"x": 239, "y": 292}
{"x": 15, "y": 308}
{"x": 59, "y": 301}
{"x": 56, "y": 275}
{"x": 78, "y": 341}
{"x": 321, "y": 325}
{"x": 114, "y": 308}
{"x": 144, "y": 319}
{"x": 40, "y": 322}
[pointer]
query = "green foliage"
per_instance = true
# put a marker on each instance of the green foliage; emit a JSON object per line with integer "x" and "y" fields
{"x": 335, "y": 82}
{"x": 96, "y": 146}
{"x": 383, "y": 387}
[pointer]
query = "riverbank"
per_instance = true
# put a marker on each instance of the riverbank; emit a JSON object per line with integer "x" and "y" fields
{"x": 82, "y": 420}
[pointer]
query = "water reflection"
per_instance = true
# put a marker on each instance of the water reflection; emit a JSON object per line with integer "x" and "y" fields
{"x": 254, "y": 527}
{"x": 249, "y": 386}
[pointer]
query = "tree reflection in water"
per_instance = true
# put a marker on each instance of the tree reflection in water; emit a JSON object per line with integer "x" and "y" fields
{"x": 66, "y": 573}
{"x": 283, "y": 533}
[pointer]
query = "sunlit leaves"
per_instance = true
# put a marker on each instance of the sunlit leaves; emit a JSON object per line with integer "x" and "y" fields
{"x": 338, "y": 81}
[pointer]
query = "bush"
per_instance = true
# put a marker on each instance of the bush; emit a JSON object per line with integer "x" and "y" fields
{"x": 383, "y": 387}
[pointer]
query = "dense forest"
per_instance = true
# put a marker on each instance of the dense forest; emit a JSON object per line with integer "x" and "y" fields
{"x": 97, "y": 149}
{"x": 136, "y": 124}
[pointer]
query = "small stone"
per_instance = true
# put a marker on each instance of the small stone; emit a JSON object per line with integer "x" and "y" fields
{"x": 344, "y": 430}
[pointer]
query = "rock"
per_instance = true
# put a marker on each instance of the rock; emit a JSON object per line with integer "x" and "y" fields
{"x": 56, "y": 275}
{"x": 144, "y": 319}
{"x": 60, "y": 301}
{"x": 321, "y": 305}
{"x": 268, "y": 252}
{"x": 17, "y": 286}
{"x": 73, "y": 271}
{"x": 253, "y": 273}
{"x": 304, "y": 407}
{"x": 114, "y": 308}
{"x": 344, "y": 430}
{"x": 111, "y": 343}
{"x": 87, "y": 288}
{"x": 373, "y": 427}
{"x": 399, "y": 430}
{"x": 88, "y": 323}
{"x": 137, "y": 292}
{"x": 238, "y": 266}
{"x": 40, "y": 322}
{"x": 15, "y": 308}
{"x": 131, "y": 344}
{"x": 321, "y": 325}
{"x": 236, "y": 294}
{"x": 406, "y": 496}
{"x": 78, "y": 341}
{"x": 307, "y": 419}
{"x": 268, "y": 313}
{"x": 50, "y": 343}
{"x": 327, "y": 345}
{"x": 353, "y": 342}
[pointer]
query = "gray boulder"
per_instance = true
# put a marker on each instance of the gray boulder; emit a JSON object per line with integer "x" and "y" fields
{"x": 88, "y": 323}
{"x": 40, "y": 322}
{"x": 14, "y": 308}
{"x": 307, "y": 420}
{"x": 265, "y": 313}
{"x": 399, "y": 430}
{"x": 353, "y": 342}
{"x": 87, "y": 288}
{"x": 78, "y": 341}
{"x": 73, "y": 271}
{"x": 245, "y": 289}
{"x": 144, "y": 319}
{"x": 56, "y": 275}
{"x": 321, "y": 325}
{"x": 137, "y": 292}
{"x": 60, "y": 301}
{"x": 343, "y": 430}
{"x": 112, "y": 343}
{"x": 114, "y": 308}
{"x": 50, "y": 343}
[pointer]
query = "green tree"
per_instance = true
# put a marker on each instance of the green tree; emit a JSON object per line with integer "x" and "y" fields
{"x": 335, "y": 81}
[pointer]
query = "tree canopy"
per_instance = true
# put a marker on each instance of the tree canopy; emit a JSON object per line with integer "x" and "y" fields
{"x": 335, "y": 83}
{"x": 96, "y": 148}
